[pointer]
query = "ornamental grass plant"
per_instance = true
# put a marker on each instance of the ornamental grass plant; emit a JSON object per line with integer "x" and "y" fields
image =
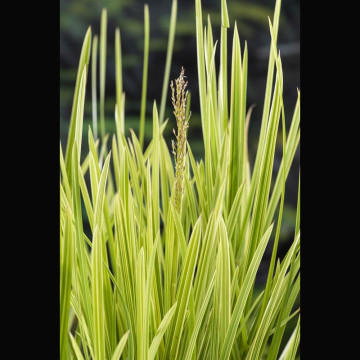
{"x": 170, "y": 267}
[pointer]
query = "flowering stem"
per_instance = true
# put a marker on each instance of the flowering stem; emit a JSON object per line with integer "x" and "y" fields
{"x": 179, "y": 148}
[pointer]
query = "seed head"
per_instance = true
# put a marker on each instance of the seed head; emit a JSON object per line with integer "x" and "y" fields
{"x": 179, "y": 96}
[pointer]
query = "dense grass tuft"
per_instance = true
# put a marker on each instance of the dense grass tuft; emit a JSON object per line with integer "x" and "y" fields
{"x": 170, "y": 267}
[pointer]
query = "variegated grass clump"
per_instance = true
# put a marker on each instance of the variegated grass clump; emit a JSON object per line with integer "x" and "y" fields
{"x": 169, "y": 268}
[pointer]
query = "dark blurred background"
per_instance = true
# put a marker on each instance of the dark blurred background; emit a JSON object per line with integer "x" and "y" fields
{"x": 128, "y": 15}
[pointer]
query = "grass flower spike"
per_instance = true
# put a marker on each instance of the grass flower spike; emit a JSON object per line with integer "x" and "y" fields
{"x": 179, "y": 148}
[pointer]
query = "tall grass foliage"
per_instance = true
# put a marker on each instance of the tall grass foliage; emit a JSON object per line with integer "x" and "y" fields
{"x": 170, "y": 267}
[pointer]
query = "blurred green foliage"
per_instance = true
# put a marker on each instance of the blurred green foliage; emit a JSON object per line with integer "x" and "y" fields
{"x": 251, "y": 18}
